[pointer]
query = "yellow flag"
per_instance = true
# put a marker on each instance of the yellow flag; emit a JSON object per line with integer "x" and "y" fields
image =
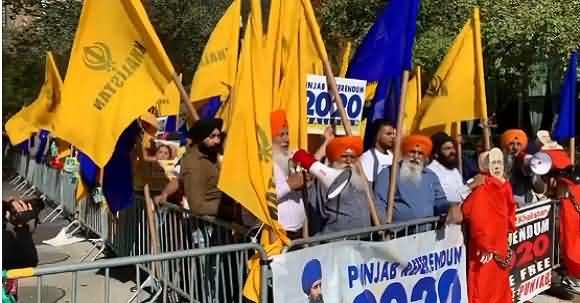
{"x": 299, "y": 57}
{"x": 246, "y": 173}
{"x": 412, "y": 101}
{"x": 39, "y": 114}
{"x": 457, "y": 91}
{"x": 345, "y": 59}
{"x": 168, "y": 103}
{"x": 216, "y": 72}
{"x": 117, "y": 70}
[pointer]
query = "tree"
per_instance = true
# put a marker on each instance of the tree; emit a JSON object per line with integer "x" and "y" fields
{"x": 516, "y": 34}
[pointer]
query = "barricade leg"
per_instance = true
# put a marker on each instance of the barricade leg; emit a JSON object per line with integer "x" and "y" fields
{"x": 53, "y": 214}
{"x": 96, "y": 244}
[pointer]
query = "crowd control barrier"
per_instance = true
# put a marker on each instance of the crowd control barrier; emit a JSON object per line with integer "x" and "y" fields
{"x": 205, "y": 276}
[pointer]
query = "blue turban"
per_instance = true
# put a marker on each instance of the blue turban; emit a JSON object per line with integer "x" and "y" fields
{"x": 365, "y": 297}
{"x": 312, "y": 273}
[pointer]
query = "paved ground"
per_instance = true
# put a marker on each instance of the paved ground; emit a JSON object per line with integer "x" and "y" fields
{"x": 91, "y": 289}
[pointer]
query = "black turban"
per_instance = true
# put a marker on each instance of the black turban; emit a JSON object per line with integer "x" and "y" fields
{"x": 201, "y": 129}
{"x": 439, "y": 139}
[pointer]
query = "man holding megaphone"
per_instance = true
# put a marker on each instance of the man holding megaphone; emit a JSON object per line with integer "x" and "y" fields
{"x": 336, "y": 199}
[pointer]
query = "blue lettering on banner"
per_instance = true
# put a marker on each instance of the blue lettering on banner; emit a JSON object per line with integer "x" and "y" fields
{"x": 427, "y": 289}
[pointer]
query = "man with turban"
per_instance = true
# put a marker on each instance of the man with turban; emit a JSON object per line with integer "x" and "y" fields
{"x": 525, "y": 185}
{"x": 418, "y": 193}
{"x": 291, "y": 213}
{"x": 200, "y": 172}
{"x": 312, "y": 281}
{"x": 489, "y": 215}
{"x": 349, "y": 210}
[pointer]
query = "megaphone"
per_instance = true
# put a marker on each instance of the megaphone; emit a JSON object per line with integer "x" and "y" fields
{"x": 539, "y": 163}
{"x": 334, "y": 180}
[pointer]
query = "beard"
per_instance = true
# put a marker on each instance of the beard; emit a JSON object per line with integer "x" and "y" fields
{"x": 316, "y": 300}
{"x": 281, "y": 159}
{"x": 449, "y": 162}
{"x": 412, "y": 172}
{"x": 357, "y": 180}
{"x": 211, "y": 151}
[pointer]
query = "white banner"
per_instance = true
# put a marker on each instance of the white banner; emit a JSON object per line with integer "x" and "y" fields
{"x": 322, "y": 111}
{"x": 428, "y": 267}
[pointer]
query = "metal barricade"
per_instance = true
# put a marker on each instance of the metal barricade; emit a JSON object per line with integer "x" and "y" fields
{"x": 206, "y": 279}
{"x": 375, "y": 233}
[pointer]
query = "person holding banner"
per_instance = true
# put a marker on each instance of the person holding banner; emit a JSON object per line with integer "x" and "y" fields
{"x": 489, "y": 214}
{"x": 380, "y": 155}
{"x": 419, "y": 192}
{"x": 349, "y": 210}
{"x": 526, "y": 188}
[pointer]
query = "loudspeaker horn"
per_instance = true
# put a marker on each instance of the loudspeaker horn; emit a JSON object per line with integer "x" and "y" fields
{"x": 539, "y": 163}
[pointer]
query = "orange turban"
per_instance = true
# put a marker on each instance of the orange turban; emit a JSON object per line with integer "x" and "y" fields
{"x": 511, "y": 134}
{"x": 421, "y": 141}
{"x": 339, "y": 145}
{"x": 278, "y": 122}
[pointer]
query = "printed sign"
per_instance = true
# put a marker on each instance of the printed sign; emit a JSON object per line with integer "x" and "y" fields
{"x": 321, "y": 109}
{"x": 531, "y": 247}
{"x": 428, "y": 267}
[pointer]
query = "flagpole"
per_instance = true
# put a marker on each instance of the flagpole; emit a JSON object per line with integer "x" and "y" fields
{"x": 573, "y": 150}
{"x": 397, "y": 149}
{"x": 193, "y": 116}
{"x": 459, "y": 142}
{"x": 331, "y": 81}
{"x": 480, "y": 79}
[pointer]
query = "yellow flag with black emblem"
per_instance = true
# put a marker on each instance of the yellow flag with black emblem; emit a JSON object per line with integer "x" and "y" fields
{"x": 117, "y": 70}
{"x": 246, "y": 173}
{"x": 39, "y": 114}
{"x": 457, "y": 91}
{"x": 216, "y": 72}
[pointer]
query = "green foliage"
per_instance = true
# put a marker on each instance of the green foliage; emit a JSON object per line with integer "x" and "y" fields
{"x": 516, "y": 35}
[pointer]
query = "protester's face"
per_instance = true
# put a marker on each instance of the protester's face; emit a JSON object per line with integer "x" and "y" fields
{"x": 281, "y": 141}
{"x": 347, "y": 159}
{"x": 386, "y": 137}
{"x": 163, "y": 153}
{"x": 316, "y": 291}
{"x": 415, "y": 156}
{"x": 447, "y": 155}
{"x": 515, "y": 147}
{"x": 213, "y": 141}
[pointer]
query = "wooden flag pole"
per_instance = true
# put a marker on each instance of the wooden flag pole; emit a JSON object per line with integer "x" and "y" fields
{"x": 459, "y": 142}
{"x": 480, "y": 79}
{"x": 397, "y": 149}
{"x": 331, "y": 81}
{"x": 573, "y": 150}
{"x": 193, "y": 116}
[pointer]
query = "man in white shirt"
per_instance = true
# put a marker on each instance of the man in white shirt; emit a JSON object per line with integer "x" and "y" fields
{"x": 445, "y": 165}
{"x": 291, "y": 214}
{"x": 380, "y": 155}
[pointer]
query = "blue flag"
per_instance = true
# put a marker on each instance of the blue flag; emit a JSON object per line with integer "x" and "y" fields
{"x": 566, "y": 124}
{"x": 118, "y": 178}
{"x": 211, "y": 108}
{"x": 42, "y": 145}
{"x": 386, "y": 51}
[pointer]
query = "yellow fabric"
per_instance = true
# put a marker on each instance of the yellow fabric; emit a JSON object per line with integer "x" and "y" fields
{"x": 39, "y": 114}
{"x": 457, "y": 91}
{"x": 253, "y": 282}
{"x": 246, "y": 173}
{"x": 299, "y": 57}
{"x": 412, "y": 101}
{"x": 371, "y": 90}
{"x": 216, "y": 72}
{"x": 168, "y": 103}
{"x": 345, "y": 60}
{"x": 117, "y": 70}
